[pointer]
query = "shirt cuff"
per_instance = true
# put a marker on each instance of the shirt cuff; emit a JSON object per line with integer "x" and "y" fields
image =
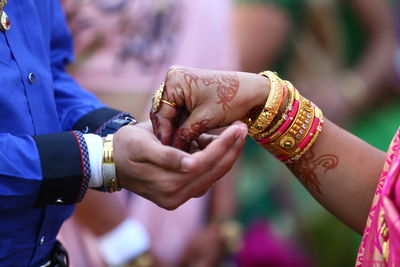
{"x": 95, "y": 147}
{"x": 125, "y": 242}
{"x": 65, "y": 167}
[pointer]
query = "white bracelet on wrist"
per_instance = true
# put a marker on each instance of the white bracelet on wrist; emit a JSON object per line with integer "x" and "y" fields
{"x": 125, "y": 242}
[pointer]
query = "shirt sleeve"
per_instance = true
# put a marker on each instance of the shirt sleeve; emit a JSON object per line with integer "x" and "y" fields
{"x": 54, "y": 168}
{"x": 34, "y": 173}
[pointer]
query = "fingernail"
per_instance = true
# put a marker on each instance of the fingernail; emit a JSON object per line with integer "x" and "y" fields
{"x": 238, "y": 134}
{"x": 243, "y": 126}
{"x": 241, "y": 135}
{"x": 187, "y": 164}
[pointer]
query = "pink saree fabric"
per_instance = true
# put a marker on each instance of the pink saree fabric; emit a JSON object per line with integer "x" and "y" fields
{"x": 380, "y": 245}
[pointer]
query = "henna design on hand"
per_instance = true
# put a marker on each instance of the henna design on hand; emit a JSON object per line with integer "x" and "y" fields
{"x": 305, "y": 168}
{"x": 184, "y": 136}
{"x": 227, "y": 89}
{"x": 227, "y": 84}
{"x": 156, "y": 125}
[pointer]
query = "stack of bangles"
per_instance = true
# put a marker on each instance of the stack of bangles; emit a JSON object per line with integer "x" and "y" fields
{"x": 288, "y": 133}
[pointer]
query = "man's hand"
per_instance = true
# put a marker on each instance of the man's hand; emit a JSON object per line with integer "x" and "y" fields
{"x": 204, "y": 100}
{"x": 166, "y": 175}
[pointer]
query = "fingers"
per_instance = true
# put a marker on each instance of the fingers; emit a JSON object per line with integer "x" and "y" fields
{"x": 217, "y": 159}
{"x": 219, "y": 147}
{"x": 196, "y": 124}
{"x": 169, "y": 189}
{"x": 138, "y": 144}
{"x": 165, "y": 117}
{"x": 166, "y": 157}
{"x": 163, "y": 123}
{"x": 205, "y": 139}
{"x": 168, "y": 176}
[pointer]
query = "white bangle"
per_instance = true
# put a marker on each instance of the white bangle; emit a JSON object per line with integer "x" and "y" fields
{"x": 125, "y": 242}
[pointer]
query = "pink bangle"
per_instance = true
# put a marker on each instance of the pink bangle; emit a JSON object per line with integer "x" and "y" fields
{"x": 284, "y": 126}
{"x": 313, "y": 135}
{"x": 310, "y": 135}
{"x": 306, "y": 140}
{"x": 293, "y": 134}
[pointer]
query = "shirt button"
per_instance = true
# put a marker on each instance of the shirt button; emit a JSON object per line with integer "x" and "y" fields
{"x": 41, "y": 240}
{"x": 31, "y": 77}
{"x": 59, "y": 200}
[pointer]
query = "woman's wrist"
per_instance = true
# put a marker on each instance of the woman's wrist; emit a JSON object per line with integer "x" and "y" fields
{"x": 260, "y": 90}
{"x": 253, "y": 94}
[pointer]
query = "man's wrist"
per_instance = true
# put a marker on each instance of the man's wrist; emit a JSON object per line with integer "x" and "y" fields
{"x": 103, "y": 174}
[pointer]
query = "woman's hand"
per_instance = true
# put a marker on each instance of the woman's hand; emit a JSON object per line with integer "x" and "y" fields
{"x": 204, "y": 100}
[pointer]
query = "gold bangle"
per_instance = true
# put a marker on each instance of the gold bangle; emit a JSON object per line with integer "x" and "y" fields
{"x": 290, "y": 136}
{"x": 108, "y": 149}
{"x": 283, "y": 116}
{"x": 300, "y": 126}
{"x": 110, "y": 182}
{"x": 297, "y": 97}
{"x": 271, "y": 107}
{"x": 299, "y": 153}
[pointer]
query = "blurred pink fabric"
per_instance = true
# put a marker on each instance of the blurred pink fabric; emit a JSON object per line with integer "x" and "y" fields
{"x": 169, "y": 230}
{"x": 125, "y": 47}
{"x": 129, "y": 53}
{"x": 380, "y": 245}
{"x": 263, "y": 248}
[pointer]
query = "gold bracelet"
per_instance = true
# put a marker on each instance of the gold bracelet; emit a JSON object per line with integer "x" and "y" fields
{"x": 110, "y": 182}
{"x": 314, "y": 136}
{"x": 300, "y": 126}
{"x": 277, "y": 134}
{"x": 290, "y": 136}
{"x": 271, "y": 107}
{"x": 270, "y": 130}
{"x": 108, "y": 149}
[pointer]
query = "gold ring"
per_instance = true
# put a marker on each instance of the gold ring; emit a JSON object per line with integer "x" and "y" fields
{"x": 157, "y": 98}
{"x": 171, "y": 104}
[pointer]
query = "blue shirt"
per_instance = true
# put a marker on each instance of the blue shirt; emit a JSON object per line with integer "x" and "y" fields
{"x": 36, "y": 97}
